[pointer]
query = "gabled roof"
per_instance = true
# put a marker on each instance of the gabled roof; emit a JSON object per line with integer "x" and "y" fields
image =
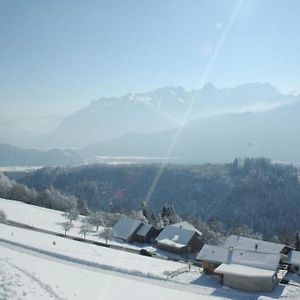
{"x": 217, "y": 254}
{"x": 144, "y": 229}
{"x": 186, "y": 225}
{"x": 263, "y": 260}
{"x": 177, "y": 235}
{"x": 239, "y": 242}
{"x": 125, "y": 228}
{"x": 293, "y": 258}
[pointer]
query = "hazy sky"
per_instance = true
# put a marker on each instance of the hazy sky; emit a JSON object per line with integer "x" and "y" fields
{"x": 57, "y": 56}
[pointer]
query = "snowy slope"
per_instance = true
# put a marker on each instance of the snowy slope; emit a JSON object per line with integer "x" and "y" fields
{"x": 27, "y": 274}
{"x": 48, "y": 219}
{"x": 35, "y": 216}
{"x": 33, "y": 267}
{"x": 28, "y": 277}
{"x": 108, "y": 258}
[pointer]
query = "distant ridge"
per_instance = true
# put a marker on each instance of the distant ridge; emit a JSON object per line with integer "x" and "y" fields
{"x": 13, "y": 156}
{"x": 221, "y": 138}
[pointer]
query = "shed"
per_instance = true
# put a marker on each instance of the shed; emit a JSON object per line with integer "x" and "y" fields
{"x": 146, "y": 234}
{"x": 248, "y": 278}
{"x": 126, "y": 228}
{"x": 180, "y": 238}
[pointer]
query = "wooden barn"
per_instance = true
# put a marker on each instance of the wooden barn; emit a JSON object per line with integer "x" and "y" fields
{"x": 146, "y": 234}
{"x": 125, "y": 229}
{"x": 180, "y": 238}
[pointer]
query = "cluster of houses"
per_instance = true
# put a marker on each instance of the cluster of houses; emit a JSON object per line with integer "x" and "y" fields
{"x": 241, "y": 263}
{"x": 180, "y": 238}
{"x": 249, "y": 264}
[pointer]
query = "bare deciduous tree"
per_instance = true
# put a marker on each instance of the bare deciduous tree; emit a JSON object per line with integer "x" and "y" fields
{"x": 3, "y": 218}
{"x": 66, "y": 226}
{"x": 107, "y": 234}
{"x": 71, "y": 214}
{"x": 85, "y": 227}
{"x": 96, "y": 219}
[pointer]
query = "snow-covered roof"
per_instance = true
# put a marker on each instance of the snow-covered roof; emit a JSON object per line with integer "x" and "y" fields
{"x": 144, "y": 229}
{"x": 186, "y": 225}
{"x": 244, "y": 271}
{"x": 293, "y": 258}
{"x": 171, "y": 243}
{"x": 126, "y": 227}
{"x": 177, "y": 234}
{"x": 239, "y": 242}
{"x": 216, "y": 254}
{"x": 263, "y": 260}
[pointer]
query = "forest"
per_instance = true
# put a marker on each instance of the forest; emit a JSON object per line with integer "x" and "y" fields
{"x": 248, "y": 196}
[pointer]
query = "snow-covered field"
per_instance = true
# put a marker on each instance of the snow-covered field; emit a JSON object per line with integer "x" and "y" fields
{"x": 121, "y": 261}
{"x": 24, "y": 276}
{"x": 36, "y": 216}
{"x": 49, "y": 219}
{"x": 36, "y": 265}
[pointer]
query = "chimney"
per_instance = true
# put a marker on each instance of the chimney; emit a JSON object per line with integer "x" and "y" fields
{"x": 230, "y": 253}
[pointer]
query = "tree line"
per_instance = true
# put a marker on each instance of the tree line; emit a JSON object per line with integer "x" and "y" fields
{"x": 252, "y": 197}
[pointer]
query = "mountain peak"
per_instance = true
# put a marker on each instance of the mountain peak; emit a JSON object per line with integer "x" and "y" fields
{"x": 209, "y": 86}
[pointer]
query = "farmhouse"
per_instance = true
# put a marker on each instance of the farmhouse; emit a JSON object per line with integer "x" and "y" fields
{"x": 126, "y": 228}
{"x": 146, "y": 234}
{"x": 180, "y": 238}
{"x": 242, "y": 269}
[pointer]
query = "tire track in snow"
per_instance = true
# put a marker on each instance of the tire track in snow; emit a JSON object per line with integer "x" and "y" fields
{"x": 46, "y": 287}
{"x": 131, "y": 275}
{"x": 6, "y": 292}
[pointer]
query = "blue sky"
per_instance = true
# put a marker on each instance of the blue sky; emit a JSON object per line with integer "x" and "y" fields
{"x": 57, "y": 56}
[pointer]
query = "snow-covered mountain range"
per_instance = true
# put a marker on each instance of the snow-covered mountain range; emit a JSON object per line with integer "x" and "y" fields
{"x": 165, "y": 108}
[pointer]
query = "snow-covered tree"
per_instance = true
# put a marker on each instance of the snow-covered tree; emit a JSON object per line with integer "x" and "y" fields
{"x": 66, "y": 226}
{"x": 145, "y": 210}
{"x": 96, "y": 219}
{"x": 3, "y": 218}
{"x": 159, "y": 224}
{"x": 138, "y": 215}
{"x": 85, "y": 227}
{"x": 71, "y": 215}
{"x": 107, "y": 234}
{"x": 169, "y": 215}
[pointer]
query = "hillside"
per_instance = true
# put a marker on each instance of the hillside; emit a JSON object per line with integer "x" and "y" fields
{"x": 263, "y": 196}
{"x": 31, "y": 261}
{"x": 13, "y": 156}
